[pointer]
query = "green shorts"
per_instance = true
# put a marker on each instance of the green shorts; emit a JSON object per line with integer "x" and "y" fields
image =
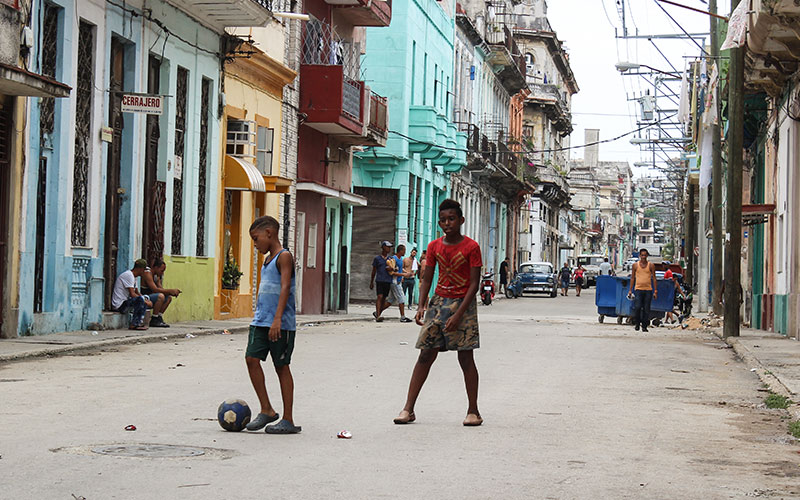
{"x": 259, "y": 345}
{"x": 464, "y": 338}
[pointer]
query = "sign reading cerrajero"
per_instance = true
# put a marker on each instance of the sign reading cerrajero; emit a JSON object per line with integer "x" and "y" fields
{"x": 142, "y": 103}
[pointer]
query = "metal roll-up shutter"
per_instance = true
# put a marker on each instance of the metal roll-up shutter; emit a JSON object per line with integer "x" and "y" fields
{"x": 371, "y": 225}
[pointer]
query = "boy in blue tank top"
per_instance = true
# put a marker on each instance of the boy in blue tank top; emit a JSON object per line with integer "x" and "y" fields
{"x": 273, "y": 328}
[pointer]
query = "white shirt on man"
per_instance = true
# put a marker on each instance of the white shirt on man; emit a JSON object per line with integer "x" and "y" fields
{"x": 605, "y": 268}
{"x": 121, "y": 294}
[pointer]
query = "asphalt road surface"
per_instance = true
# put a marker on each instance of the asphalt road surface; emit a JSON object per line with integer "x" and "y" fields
{"x": 572, "y": 409}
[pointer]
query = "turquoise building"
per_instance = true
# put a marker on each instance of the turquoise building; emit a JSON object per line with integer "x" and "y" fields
{"x": 411, "y": 63}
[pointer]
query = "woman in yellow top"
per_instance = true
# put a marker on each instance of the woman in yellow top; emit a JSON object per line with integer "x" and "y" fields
{"x": 643, "y": 286}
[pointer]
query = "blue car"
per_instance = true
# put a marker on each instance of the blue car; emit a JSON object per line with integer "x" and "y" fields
{"x": 533, "y": 277}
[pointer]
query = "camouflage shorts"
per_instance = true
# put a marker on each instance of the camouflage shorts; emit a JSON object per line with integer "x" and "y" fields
{"x": 463, "y": 338}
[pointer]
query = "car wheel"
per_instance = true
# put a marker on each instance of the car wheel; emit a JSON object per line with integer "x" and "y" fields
{"x": 619, "y": 320}
{"x": 553, "y": 294}
{"x": 510, "y": 293}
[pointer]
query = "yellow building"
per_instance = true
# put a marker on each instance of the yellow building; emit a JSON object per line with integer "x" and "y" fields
{"x": 251, "y": 186}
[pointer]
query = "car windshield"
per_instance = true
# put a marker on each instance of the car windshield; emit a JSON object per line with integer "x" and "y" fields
{"x": 536, "y": 268}
{"x": 590, "y": 261}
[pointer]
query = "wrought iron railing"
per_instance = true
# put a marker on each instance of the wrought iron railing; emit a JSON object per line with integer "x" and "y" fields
{"x": 351, "y": 98}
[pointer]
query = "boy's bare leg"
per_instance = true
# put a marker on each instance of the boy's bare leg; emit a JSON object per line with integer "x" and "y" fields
{"x": 257, "y": 379}
{"x": 379, "y": 306}
{"x": 287, "y": 391}
{"x": 167, "y": 301}
{"x": 467, "y": 362}
{"x": 158, "y": 306}
{"x": 418, "y": 376}
{"x": 402, "y": 310}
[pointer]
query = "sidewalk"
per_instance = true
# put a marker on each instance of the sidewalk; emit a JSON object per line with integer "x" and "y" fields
{"x": 775, "y": 357}
{"x": 60, "y": 343}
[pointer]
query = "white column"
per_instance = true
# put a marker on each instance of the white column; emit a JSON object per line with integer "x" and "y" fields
{"x": 703, "y": 261}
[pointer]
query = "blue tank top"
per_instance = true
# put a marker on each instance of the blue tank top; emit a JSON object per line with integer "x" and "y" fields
{"x": 268, "y": 294}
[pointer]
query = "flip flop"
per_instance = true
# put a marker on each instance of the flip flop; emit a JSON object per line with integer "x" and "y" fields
{"x": 473, "y": 420}
{"x": 283, "y": 427}
{"x": 405, "y": 420}
{"x": 260, "y": 421}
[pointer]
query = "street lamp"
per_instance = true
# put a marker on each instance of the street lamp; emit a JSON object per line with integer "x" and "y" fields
{"x": 624, "y": 66}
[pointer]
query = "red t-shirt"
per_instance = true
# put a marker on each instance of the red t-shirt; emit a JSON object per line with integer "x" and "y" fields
{"x": 455, "y": 263}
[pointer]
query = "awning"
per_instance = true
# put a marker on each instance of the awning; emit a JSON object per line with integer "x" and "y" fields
{"x": 277, "y": 184}
{"x": 241, "y": 175}
{"x": 20, "y": 82}
{"x": 756, "y": 214}
{"x": 329, "y": 192}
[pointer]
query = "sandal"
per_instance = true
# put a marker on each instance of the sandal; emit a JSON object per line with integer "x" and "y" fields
{"x": 473, "y": 420}
{"x": 410, "y": 417}
{"x": 283, "y": 427}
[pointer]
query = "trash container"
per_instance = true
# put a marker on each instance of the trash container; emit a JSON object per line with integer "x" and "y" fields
{"x": 605, "y": 297}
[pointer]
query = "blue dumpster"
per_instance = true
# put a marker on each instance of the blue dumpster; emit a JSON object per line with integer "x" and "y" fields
{"x": 605, "y": 297}
{"x": 624, "y": 304}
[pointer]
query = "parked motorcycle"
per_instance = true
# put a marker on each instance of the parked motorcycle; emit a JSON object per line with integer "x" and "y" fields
{"x": 685, "y": 304}
{"x": 487, "y": 288}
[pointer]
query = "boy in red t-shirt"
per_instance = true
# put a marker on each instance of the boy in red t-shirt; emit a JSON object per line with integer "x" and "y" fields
{"x": 451, "y": 321}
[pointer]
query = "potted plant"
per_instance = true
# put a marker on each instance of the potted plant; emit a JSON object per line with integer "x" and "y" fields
{"x": 230, "y": 274}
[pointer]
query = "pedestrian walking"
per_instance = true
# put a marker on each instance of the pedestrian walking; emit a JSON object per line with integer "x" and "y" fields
{"x": 396, "y": 294}
{"x": 578, "y": 277}
{"x": 381, "y": 280}
{"x": 272, "y": 331}
{"x": 669, "y": 275}
{"x": 411, "y": 265}
{"x": 503, "y": 277}
{"x": 643, "y": 287}
{"x": 564, "y": 276}
{"x": 606, "y": 269}
{"x": 451, "y": 319}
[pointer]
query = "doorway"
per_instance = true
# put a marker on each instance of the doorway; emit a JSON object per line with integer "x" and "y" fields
{"x": 114, "y": 191}
{"x": 6, "y": 108}
{"x": 154, "y": 191}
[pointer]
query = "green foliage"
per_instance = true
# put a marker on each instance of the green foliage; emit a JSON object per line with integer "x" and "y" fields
{"x": 231, "y": 274}
{"x": 651, "y": 213}
{"x": 794, "y": 429}
{"x": 776, "y": 401}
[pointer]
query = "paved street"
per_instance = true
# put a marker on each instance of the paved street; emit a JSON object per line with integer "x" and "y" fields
{"x": 572, "y": 408}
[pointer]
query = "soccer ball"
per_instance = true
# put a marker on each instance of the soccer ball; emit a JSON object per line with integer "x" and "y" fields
{"x": 233, "y": 414}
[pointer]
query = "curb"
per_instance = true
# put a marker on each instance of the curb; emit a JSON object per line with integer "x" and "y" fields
{"x": 766, "y": 376}
{"x": 85, "y": 346}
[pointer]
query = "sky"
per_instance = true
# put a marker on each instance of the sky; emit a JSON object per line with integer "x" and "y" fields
{"x": 587, "y": 28}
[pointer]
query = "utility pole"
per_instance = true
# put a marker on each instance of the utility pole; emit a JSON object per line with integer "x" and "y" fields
{"x": 690, "y": 232}
{"x": 733, "y": 236}
{"x": 716, "y": 182}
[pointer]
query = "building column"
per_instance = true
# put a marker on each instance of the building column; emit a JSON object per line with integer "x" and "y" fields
{"x": 703, "y": 260}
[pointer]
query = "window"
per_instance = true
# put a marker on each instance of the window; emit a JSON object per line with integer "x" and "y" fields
{"x": 643, "y": 239}
{"x": 83, "y": 121}
{"x": 264, "y": 141}
{"x": 205, "y": 104}
{"x": 241, "y": 140}
{"x": 529, "y": 64}
{"x": 180, "y": 151}
{"x": 311, "y": 260}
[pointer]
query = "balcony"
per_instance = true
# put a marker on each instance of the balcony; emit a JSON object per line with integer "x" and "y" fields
{"x": 223, "y": 14}
{"x": 365, "y": 12}
{"x": 549, "y": 98}
{"x": 330, "y": 96}
{"x": 378, "y": 122}
{"x": 772, "y": 41}
{"x": 506, "y": 57}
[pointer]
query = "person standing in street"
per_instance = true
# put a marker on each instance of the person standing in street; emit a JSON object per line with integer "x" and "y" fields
{"x": 578, "y": 276}
{"x": 451, "y": 318}
{"x": 643, "y": 287}
{"x": 396, "y": 294}
{"x": 380, "y": 280}
{"x": 606, "y": 269}
{"x": 563, "y": 276}
{"x": 503, "y": 277}
{"x": 411, "y": 265}
{"x": 272, "y": 331}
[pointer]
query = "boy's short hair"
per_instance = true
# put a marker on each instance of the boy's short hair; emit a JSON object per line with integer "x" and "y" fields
{"x": 158, "y": 262}
{"x": 140, "y": 264}
{"x": 400, "y": 248}
{"x": 265, "y": 222}
{"x": 645, "y": 251}
{"x": 450, "y": 204}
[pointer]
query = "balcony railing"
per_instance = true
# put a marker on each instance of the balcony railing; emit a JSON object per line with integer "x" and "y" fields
{"x": 322, "y": 46}
{"x": 378, "y": 116}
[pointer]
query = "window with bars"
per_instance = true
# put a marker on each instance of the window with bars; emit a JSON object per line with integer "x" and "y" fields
{"x": 177, "y": 167}
{"x": 264, "y": 142}
{"x": 83, "y": 119}
{"x": 205, "y": 109}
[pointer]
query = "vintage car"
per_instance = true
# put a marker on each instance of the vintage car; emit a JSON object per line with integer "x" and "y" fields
{"x": 533, "y": 277}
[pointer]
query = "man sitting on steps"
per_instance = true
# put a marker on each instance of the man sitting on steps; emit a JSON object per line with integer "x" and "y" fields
{"x": 126, "y": 297}
{"x": 152, "y": 285}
